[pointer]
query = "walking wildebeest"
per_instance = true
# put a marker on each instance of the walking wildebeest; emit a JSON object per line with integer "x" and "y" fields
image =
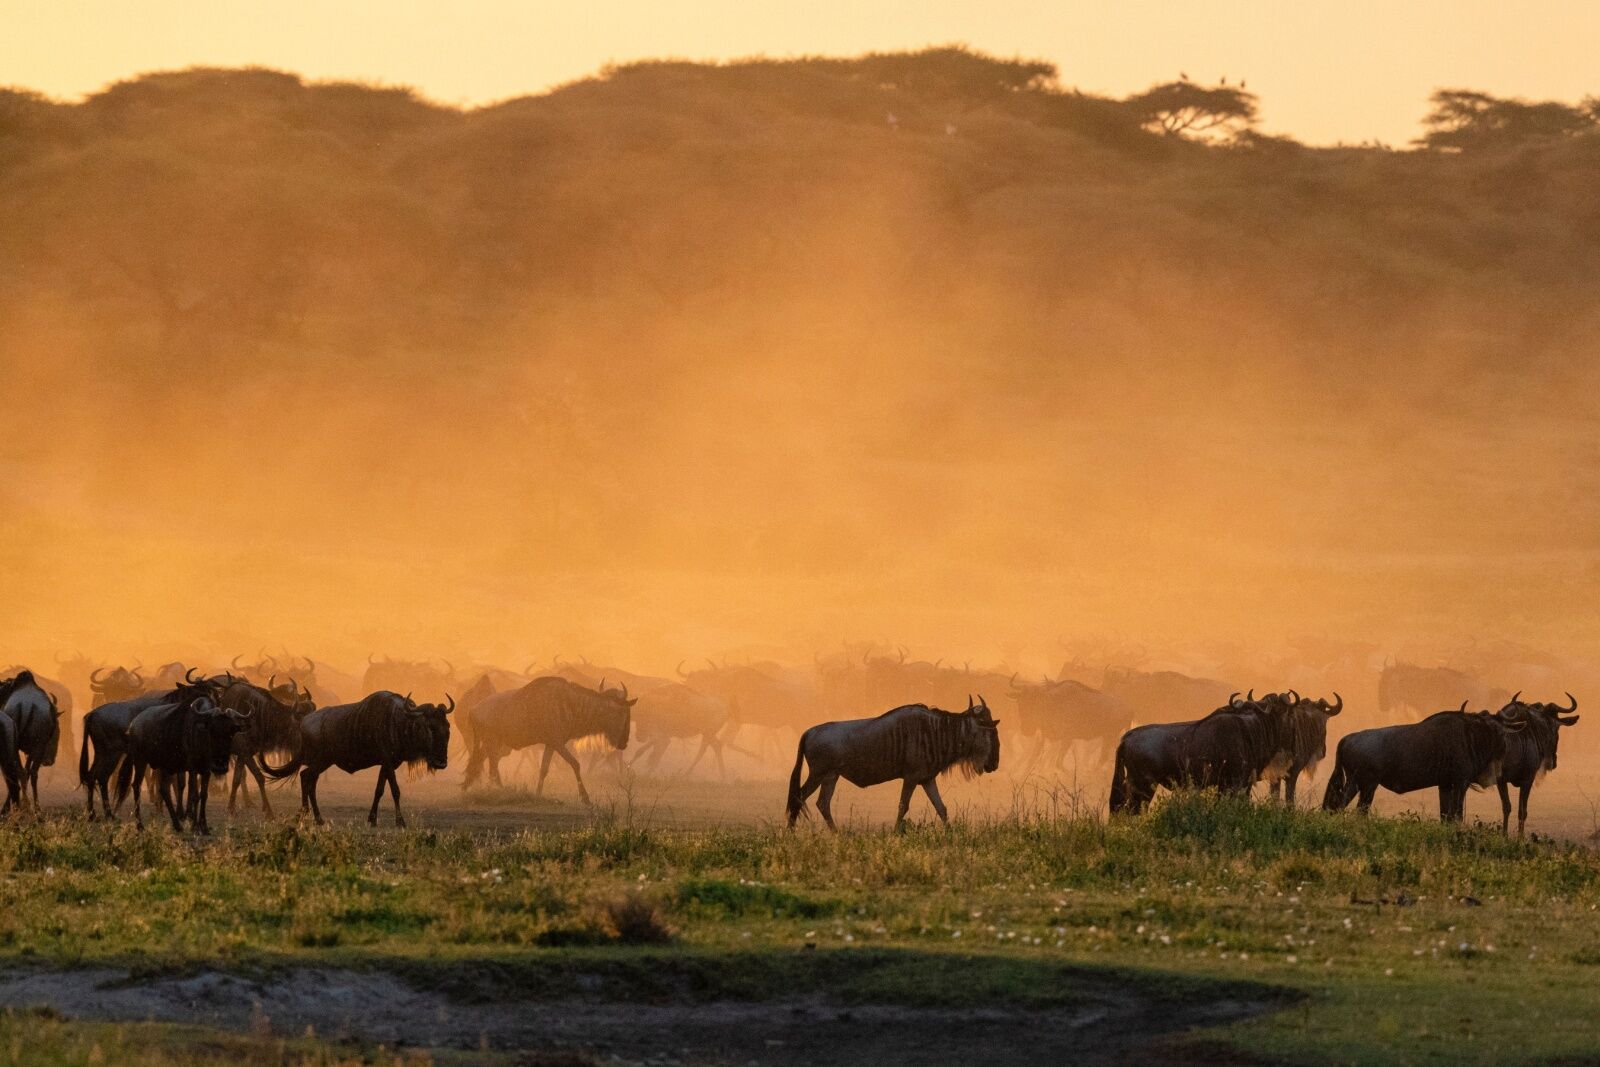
{"x": 675, "y": 712}
{"x": 914, "y": 743}
{"x": 1310, "y": 743}
{"x": 1213, "y": 751}
{"x": 552, "y": 712}
{"x": 275, "y": 712}
{"x": 37, "y": 719}
{"x": 105, "y": 729}
{"x": 1451, "y": 751}
{"x": 383, "y": 730}
{"x": 1059, "y": 713}
{"x": 190, "y": 740}
{"x": 1530, "y": 752}
{"x": 10, "y": 766}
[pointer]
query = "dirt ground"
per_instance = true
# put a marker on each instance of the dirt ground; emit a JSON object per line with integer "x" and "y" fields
{"x": 1114, "y": 1022}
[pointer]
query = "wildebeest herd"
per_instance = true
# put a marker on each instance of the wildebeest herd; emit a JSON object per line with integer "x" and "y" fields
{"x": 279, "y": 718}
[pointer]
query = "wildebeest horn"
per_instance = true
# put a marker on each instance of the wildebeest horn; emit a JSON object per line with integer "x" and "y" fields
{"x": 1516, "y": 696}
{"x": 902, "y": 649}
{"x": 94, "y": 675}
{"x": 272, "y": 682}
{"x": 711, "y": 663}
{"x": 680, "y": 670}
{"x": 1251, "y": 697}
{"x": 234, "y": 663}
{"x": 624, "y": 690}
{"x": 449, "y": 668}
{"x": 311, "y": 665}
{"x": 370, "y": 660}
{"x": 982, "y": 703}
{"x": 969, "y": 701}
{"x": 188, "y": 675}
{"x": 602, "y": 686}
{"x": 1463, "y": 706}
{"x": 1233, "y": 701}
{"x": 452, "y": 701}
{"x": 1574, "y": 702}
{"x": 1296, "y": 696}
{"x": 1338, "y": 703}
{"x": 1014, "y": 679}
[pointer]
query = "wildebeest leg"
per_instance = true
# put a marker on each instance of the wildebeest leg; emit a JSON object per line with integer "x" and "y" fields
{"x": 377, "y": 795}
{"x": 1364, "y": 803}
{"x": 261, "y": 784}
{"x": 705, "y": 746}
{"x": 931, "y": 787}
{"x": 1522, "y": 807}
{"x": 1447, "y": 803}
{"x": 825, "y": 799}
{"x": 572, "y": 761}
{"x": 544, "y": 768}
{"x": 203, "y": 789}
{"x": 394, "y": 791}
{"x": 138, "y": 788}
{"x": 1505, "y": 808}
{"x": 308, "y": 792}
{"x": 907, "y": 787}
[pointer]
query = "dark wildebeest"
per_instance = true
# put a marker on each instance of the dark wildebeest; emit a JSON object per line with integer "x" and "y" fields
{"x": 10, "y": 766}
{"x": 60, "y": 695}
{"x": 383, "y": 730}
{"x": 1057, "y": 714}
{"x": 552, "y": 712}
{"x": 914, "y": 743}
{"x": 1530, "y": 752}
{"x": 37, "y": 721}
{"x": 190, "y": 740}
{"x": 1451, "y": 751}
{"x": 118, "y": 685}
{"x": 1404, "y": 686}
{"x": 1310, "y": 743}
{"x": 105, "y": 729}
{"x": 1211, "y": 751}
{"x": 275, "y": 712}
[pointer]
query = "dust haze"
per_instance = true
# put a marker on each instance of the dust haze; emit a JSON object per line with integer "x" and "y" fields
{"x": 689, "y": 360}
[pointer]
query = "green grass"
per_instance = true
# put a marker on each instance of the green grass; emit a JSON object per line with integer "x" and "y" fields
{"x": 1491, "y": 957}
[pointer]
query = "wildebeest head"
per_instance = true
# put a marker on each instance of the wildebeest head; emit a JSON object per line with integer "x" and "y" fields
{"x": 296, "y": 699}
{"x": 1311, "y": 728}
{"x": 1544, "y": 722}
{"x": 111, "y": 684}
{"x": 617, "y": 714}
{"x": 1486, "y": 738}
{"x": 428, "y": 730}
{"x": 217, "y": 727}
{"x": 982, "y": 731}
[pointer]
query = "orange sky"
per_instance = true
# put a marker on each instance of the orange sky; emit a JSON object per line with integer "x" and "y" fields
{"x": 1352, "y": 70}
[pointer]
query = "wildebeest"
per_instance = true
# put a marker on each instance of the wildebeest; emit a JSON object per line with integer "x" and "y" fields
{"x": 105, "y": 731}
{"x": 914, "y": 743}
{"x": 674, "y": 712}
{"x": 117, "y": 685}
{"x": 1530, "y": 752}
{"x": 1214, "y": 751}
{"x": 1451, "y": 751}
{"x": 766, "y": 696}
{"x": 408, "y": 676}
{"x": 10, "y": 766}
{"x": 1404, "y": 686}
{"x": 275, "y": 711}
{"x": 1310, "y": 742}
{"x": 37, "y": 721}
{"x": 382, "y": 730}
{"x": 1058, "y": 713}
{"x": 191, "y": 740}
{"x": 552, "y": 712}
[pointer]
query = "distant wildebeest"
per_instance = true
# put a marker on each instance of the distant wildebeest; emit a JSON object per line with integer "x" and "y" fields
{"x": 1157, "y": 695}
{"x": 1451, "y": 751}
{"x": 37, "y": 721}
{"x": 105, "y": 731}
{"x": 1405, "y": 686}
{"x": 275, "y": 711}
{"x": 409, "y": 676}
{"x": 914, "y": 743}
{"x": 768, "y": 697}
{"x": 117, "y": 685}
{"x": 383, "y": 730}
{"x": 185, "y": 742}
{"x": 552, "y": 712}
{"x": 1530, "y": 752}
{"x": 1058, "y": 713}
{"x": 675, "y": 712}
{"x": 1310, "y": 743}
{"x": 1231, "y": 749}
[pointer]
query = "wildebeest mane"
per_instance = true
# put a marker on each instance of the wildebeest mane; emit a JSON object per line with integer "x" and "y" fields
{"x": 939, "y": 738}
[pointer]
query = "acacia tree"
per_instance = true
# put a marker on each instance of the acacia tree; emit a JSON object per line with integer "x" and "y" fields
{"x": 1462, "y": 119}
{"x": 1187, "y": 109}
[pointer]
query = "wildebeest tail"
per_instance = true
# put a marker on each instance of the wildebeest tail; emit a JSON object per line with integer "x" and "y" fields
{"x": 278, "y": 774}
{"x": 1119, "y": 781}
{"x": 797, "y": 804}
{"x": 83, "y": 761}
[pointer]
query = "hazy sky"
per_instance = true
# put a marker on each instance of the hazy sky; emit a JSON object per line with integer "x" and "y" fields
{"x": 1348, "y": 70}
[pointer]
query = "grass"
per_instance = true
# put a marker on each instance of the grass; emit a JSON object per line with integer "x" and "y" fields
{"x": 1399, "y": 939}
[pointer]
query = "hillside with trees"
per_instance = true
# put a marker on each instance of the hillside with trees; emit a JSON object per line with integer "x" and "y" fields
{"x": 744, "y": 318}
